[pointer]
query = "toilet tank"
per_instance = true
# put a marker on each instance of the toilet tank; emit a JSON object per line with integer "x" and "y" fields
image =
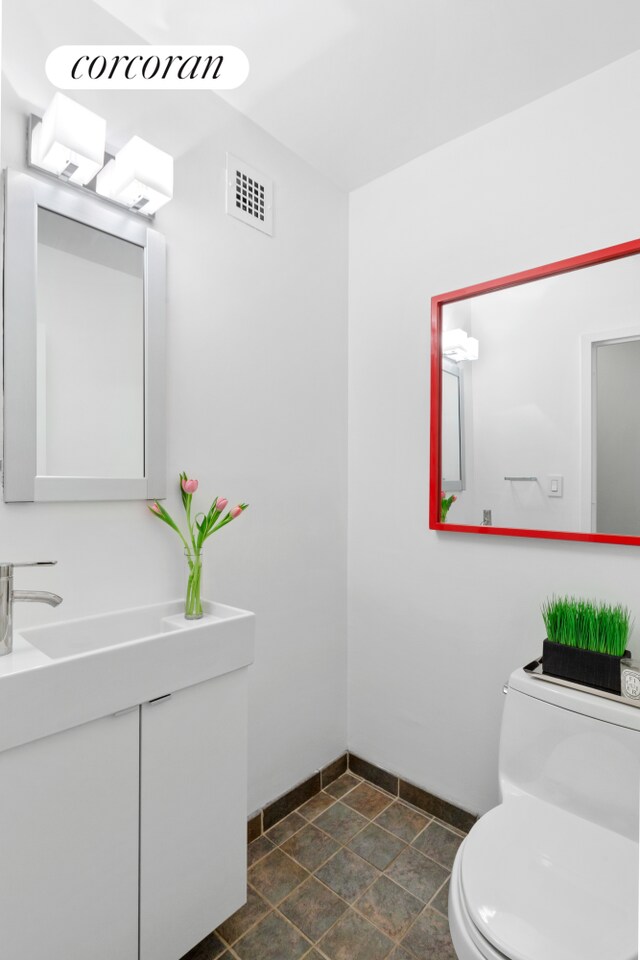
{"x": 572, "y": 749}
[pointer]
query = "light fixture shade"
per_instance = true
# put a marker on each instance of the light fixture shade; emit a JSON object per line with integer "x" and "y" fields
{"x": 69, "y": 141}
{"x": 453, "y": 340}
{"x": 472, "y": 349}
{"x": 458, "y": 345}
{"x": 140, "y": 176}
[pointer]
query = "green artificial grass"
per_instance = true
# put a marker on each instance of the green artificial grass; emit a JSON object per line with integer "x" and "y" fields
{"x": 599, "y": 627}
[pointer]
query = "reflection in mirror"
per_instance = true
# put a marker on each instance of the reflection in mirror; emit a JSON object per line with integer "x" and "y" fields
{"x": 452, "y": 421}
{"x": 551, "y": 402}
{"x": 90, "y": 351}
{"x": 616, "y": 436}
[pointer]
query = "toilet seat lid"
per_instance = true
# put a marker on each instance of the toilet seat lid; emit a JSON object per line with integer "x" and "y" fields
{"x": 542, "y": 884}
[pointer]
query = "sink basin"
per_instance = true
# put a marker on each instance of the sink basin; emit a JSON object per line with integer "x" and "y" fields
{"x": 64, "y": 674}
{"x": 78, "y": 637}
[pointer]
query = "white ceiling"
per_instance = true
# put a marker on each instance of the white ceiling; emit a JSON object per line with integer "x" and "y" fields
{"x": 359, "y": 87}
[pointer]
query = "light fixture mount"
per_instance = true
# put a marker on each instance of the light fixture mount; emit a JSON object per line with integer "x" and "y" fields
{"x": 138, "y": 178}
{"x": 87, "y": 188}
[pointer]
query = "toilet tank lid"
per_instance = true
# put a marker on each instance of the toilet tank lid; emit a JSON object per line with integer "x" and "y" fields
{"x": 579, "y": 701}
{"x": 543, "y": 884}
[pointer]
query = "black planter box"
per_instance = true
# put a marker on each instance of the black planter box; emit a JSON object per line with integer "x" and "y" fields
{"x": 599, "y": 670}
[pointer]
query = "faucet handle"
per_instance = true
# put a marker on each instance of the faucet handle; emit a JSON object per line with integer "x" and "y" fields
{"x": 34, "y": 563}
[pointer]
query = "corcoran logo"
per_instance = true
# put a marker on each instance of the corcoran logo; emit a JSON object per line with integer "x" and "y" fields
{"x": 146, "y": 67}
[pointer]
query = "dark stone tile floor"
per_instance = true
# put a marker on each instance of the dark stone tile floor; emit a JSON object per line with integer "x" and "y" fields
{"x": 352, "y": 874}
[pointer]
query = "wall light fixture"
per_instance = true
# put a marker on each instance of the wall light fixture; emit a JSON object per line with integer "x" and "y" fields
{"x": 69, "y": 141}
{"x": 458, "y": 345}
{"x": 140, "y": 176}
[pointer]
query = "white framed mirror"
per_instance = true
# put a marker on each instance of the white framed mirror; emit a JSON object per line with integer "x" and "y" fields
{"x": 84, "y": 348}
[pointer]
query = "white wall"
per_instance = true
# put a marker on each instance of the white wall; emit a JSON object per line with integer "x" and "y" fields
{"x": 257, "y": 410}
{"x": 256, "y": 407}
{"x": 438, "y": 620}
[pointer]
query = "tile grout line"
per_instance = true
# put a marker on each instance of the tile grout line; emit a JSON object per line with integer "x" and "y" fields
{"x": 315, "y": 945}
{"x": 349, "y": 906}
{"x": 295, "y": 927}
{"x": 427, "y": 905}
{"x": 297, "y": 809}
{"x": 353, "y": 906}
{"x": 424, "y": 903}
{"x": 381, "y": 873}
{"x": 275, "y": 908}
{"x": 253, "y": 925}
{"x": 437, "y": 894}
{"x": 408, "y": 843}
{"x": 345, "y": 845}
{"x": 396, "y": 941}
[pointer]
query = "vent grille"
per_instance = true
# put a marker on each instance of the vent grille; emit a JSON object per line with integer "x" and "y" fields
{"x": 249, "y": 195}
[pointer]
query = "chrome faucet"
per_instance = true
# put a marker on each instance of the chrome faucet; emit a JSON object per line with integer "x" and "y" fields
{"x": 8, "y": 595}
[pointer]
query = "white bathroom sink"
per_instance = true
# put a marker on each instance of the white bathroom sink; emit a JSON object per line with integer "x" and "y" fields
{"x": 77, "y": 637}
{"x": 64, "y": 674}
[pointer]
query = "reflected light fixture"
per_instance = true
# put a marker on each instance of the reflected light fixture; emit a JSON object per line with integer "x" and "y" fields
{"x": 140, "y": 177}
{"x": 69, "y": 141}
{"x": 457, "y": 345}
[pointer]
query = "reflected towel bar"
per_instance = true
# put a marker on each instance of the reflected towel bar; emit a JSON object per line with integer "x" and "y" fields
{"x": 521, "y": 478}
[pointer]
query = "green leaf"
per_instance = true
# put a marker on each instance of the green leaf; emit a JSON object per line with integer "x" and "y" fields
{"x": 185, "y": 496}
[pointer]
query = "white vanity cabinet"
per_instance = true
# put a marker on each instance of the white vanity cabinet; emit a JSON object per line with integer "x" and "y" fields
{"x": 193, "y": 820}
{"x": 125, "y": 838}
{"x": 69, "y": 844}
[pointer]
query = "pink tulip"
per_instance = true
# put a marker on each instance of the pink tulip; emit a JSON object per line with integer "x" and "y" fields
{"x": 155, "y": 508}
{"x": 189, "y": 486}
{"x": 235, "y": 512}
{"x": 221, "y": 504}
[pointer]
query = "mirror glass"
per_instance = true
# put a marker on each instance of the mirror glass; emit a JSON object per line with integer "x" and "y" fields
{"x": 90, "y": 351}
{"x": 547, "y": 416}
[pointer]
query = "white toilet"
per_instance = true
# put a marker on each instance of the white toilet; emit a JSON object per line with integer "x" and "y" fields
{"x": 552, "y": 872}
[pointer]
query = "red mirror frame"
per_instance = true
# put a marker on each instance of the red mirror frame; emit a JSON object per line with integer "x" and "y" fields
{"x": 437, "y": 303}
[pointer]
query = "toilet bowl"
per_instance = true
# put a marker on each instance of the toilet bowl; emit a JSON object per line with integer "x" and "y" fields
{"x": 551, "y": 873}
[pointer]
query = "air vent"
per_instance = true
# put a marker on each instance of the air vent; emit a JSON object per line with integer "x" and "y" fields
{"x": 249, "y": 195}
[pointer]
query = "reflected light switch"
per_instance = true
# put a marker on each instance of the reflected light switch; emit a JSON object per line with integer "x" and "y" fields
{"x": 555, "y": 485}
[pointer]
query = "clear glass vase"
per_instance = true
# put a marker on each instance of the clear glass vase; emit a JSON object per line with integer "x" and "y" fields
{"x": 193, "y": 601}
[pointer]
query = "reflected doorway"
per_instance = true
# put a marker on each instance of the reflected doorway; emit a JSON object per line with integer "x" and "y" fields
{"x": 616, "y": 436}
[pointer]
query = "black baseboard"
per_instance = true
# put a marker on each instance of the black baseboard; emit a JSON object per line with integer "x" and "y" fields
{"x": 412, "y": 794}
{"x": 281, "y": 807}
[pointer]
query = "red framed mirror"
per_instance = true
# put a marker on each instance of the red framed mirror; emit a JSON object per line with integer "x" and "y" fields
{"x": 535, "y": 402}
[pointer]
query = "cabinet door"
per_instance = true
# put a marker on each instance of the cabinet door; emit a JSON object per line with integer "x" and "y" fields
{"x": 193, "y": 816}
{"x": 69, "y": 844}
